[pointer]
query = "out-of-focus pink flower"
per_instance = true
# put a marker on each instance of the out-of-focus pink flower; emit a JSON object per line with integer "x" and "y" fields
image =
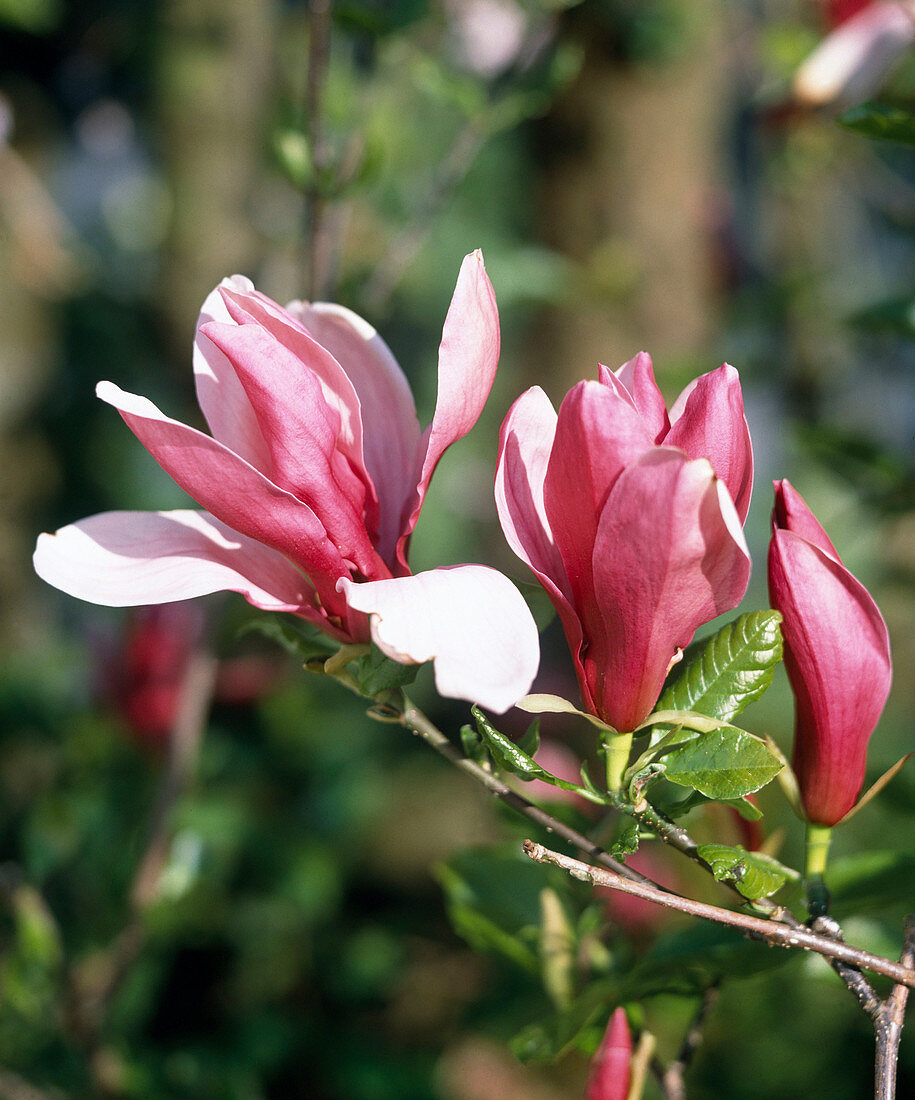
{"x": 853, "y": 60}
{"x": 639, "y": 918}
{"x": 837, "y": 654}
{"x": 637, "y": 544}
{"x": 836, "y": 12}
{"x": 611, "y": 1066}
{"x": 312, "y": 483}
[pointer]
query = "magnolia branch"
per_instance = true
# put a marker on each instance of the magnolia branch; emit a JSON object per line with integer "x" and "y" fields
{"x": 889, "y": 1021}
{"x": 771, "y": 932}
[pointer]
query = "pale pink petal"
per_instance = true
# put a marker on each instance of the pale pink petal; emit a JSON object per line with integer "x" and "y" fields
{"x": 221, "y": 396}
{"x": 301, "y": 430}
{"x": 391, "y": 427}
{"x": 669, "y": 556}
{"x": 467, "y": 360}
{"x": 469, "y": 620}
{"x": 637, "y": 375}
{"x": 597, "y": 436}
{"x": 233, "y": 491}
{"x": 791, "y": 513}
{"x": 707, "y": 421}
{"x": 850, "y": 64}
{"x": 127, "y": 559}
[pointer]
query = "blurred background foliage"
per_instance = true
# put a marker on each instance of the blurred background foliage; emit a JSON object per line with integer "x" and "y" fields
{"x": 218, "y": 878}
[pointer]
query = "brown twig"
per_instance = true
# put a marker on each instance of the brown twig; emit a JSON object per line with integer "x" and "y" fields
{"x": 771, "y": 932}
{"x": 418, "y": 723}
{"x": 889, "y": 1023}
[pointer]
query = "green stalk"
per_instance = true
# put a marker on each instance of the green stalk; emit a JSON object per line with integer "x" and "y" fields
{"x": 617, "y": 747}
{"x": 818, "y": 838}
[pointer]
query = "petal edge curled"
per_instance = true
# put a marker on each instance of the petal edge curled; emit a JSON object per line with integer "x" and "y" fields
{"x": 469, "y": 620}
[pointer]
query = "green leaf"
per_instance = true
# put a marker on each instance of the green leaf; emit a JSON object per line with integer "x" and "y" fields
{"x": 881, "y": 121}
{"x": 725, "y": 763}
{"x": 375, "y": 673}
{"x": 549, "y": 1040}
{"x": 530, "y": 742}
{"x": 511, "y": 758}
{"x": 472, "y": 744}
{"x": 730, "y": 671}
{"x": 295, "y": 637}
{"x": 753, "y": 875}
{"x": 869, "y": 881}
{"x": 626, "y": 840}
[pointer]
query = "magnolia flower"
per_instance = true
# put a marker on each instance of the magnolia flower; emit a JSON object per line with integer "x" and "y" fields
{"x": 837, "y": 654}
{"x": 637, "y": 544}
{"x": 312, "y": 483}
{"x": 611, "y": 1066}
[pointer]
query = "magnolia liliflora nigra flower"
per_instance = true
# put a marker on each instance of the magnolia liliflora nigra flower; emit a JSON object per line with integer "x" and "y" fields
{"x": 631, "y": 518}
{"x": 312, "y": 483}
{"x": 837, "y": 654}
{"x": 611, "y": 1066}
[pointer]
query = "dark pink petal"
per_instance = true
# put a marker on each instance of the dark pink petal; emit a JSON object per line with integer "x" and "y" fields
{"x": 792, "y": 514}
{"x": 638, "y": 377}
{"x": 707, "y": 421}
{"x": 234, "y": 492}
{"x": 837, "y": 654}
{"x": 597, "y": 436}
{"x": 470, "y": 621}
{"x": 221, "y": 396}
{"x": 669, "y": 556}
{"x": 128, "y": 559}
{"x": 390, "y": 425}
{"x": 611, "y": 1067}
{"x": 301, "y": 431}
{"x": 467, "y": 360}
{"x": 287, "y": 329}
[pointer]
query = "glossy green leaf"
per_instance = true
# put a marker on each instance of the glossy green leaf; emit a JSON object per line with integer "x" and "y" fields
{"x": 626, "y": 840}
{"x": 881, "y": 121}
{"x": 294, "y": 636}
{"x": 530, "y": 742}
{"x": 732, "y": 669}
{"x": 510, "y": 757}
{"x": 725, "y": 763}
{"x": 755, "y": 876}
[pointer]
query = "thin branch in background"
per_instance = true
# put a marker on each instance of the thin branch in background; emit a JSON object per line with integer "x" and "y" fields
{"x": 96, "y": 980}
{"x": 318, "y": 239}
{"x": 889, "y": 1024}
{"x": 771, "y": 932}
{"x": 672, "y": 1077}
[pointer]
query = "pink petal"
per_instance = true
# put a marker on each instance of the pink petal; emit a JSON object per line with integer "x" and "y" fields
{"x": 669, "y": 556}
{"x": 611, "y": 1067}
{"x": 637, "y": 375}
{"x": 469, "y": 620}
{"x": 234, "y": 492}
{"x": 221, "y": 396}
{"x": 597, "y": 435}
{"x": 851, "y": 63}
{"x": 526, "y": 440}
{"x": 127, "y": 559}
{"x": 301, "y": 430}
{"x": 391, "y": 427}
{"x": 708, "y": 422}
{"x": 467, "y": 360}
{"x": 792, "y": 514}
{"x": 837, "y": 654}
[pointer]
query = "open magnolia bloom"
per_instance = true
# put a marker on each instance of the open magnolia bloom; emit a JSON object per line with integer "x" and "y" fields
{"x": 312, "y": 483}
{"x": 630, "y": 517}
{"x": 837, "y": 655}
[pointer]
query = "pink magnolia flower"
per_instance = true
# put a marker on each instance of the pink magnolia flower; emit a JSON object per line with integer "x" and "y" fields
{"x": 611, "y": 1066}
{"x": 636, "y": 544}
{"x": 837, "y": 654}
{"x": 311, "y": 484}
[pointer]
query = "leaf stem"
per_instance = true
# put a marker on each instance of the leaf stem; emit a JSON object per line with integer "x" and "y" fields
{"x": 616, "y": 748}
